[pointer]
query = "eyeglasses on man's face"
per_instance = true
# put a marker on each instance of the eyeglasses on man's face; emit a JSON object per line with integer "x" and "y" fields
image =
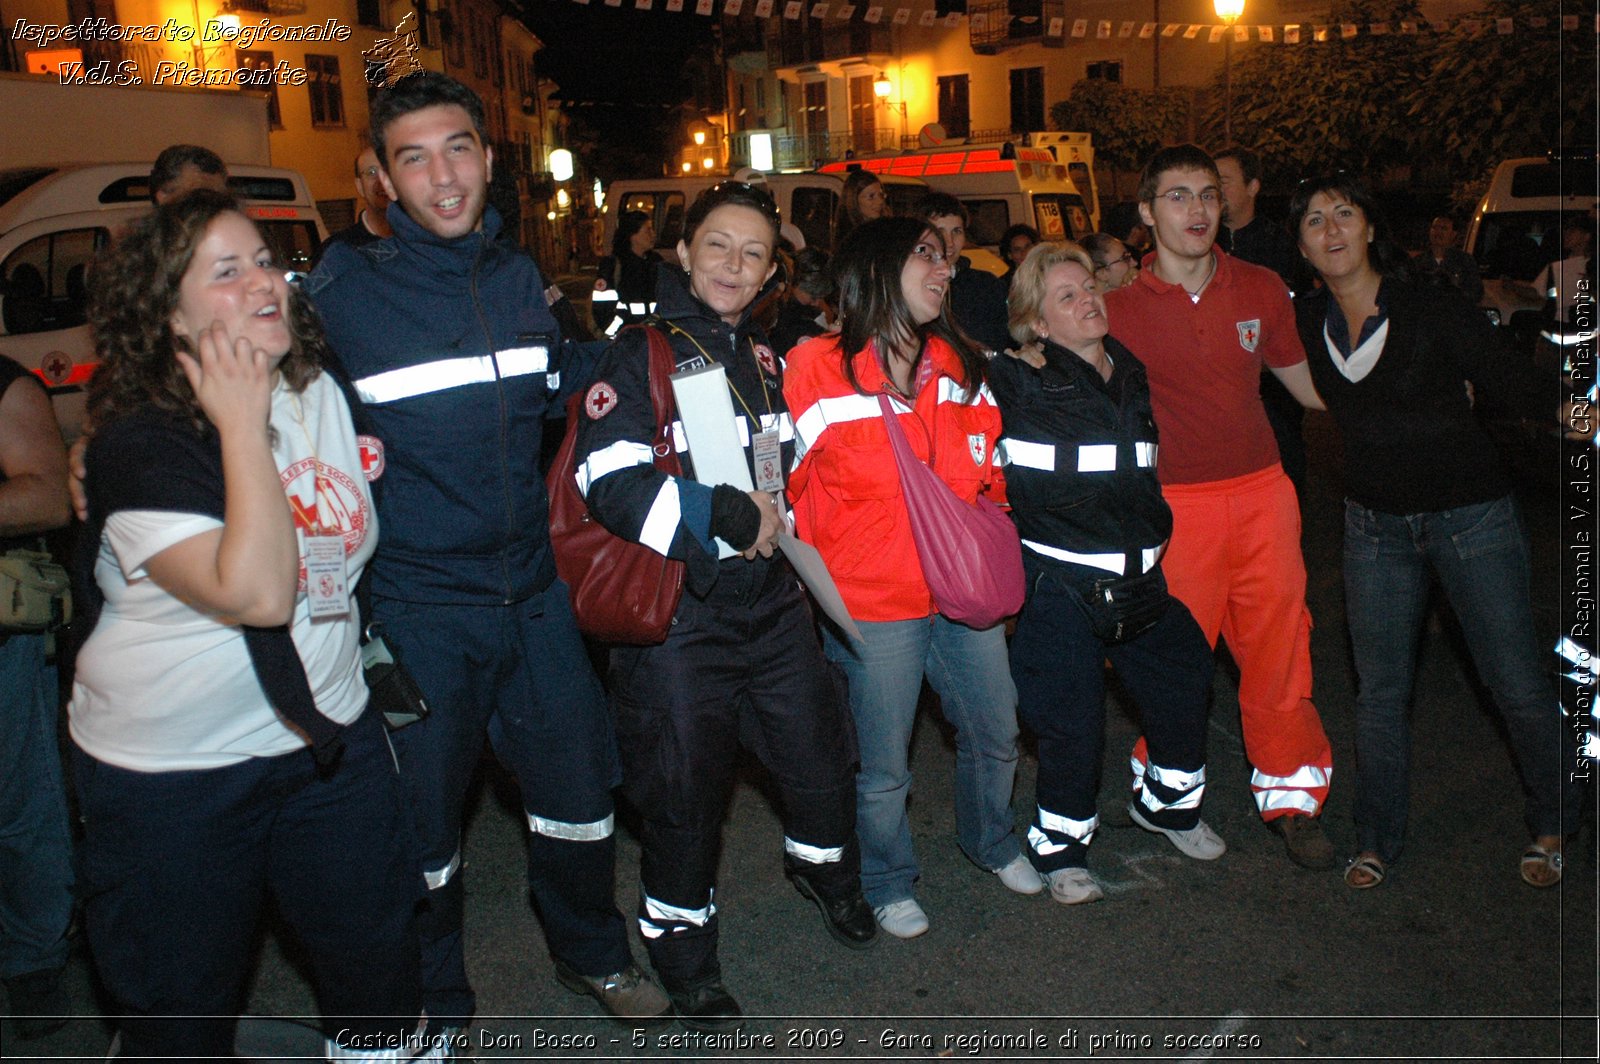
{"x": 1184, "y": 197}
{"x": 1126, "y": 256}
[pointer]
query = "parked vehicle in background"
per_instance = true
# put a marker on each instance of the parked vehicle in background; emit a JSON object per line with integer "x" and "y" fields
{"x": 1045, "y": 180}
{"x": 53, "y": 219}
{"x": 807, "y": 202}
{"x": 1516, "y": 229}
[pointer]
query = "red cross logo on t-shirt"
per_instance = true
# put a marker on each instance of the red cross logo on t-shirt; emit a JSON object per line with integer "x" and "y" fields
{"x": 1249, "y": 333}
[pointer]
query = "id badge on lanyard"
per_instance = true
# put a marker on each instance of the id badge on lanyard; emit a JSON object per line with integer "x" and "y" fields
{"x": 767, "y": 454}
{"x": 327, "y": 586}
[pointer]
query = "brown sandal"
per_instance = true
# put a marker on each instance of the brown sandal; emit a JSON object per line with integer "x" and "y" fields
{"x": 1365, "y": 871}
{"x": 1541, "y": 866}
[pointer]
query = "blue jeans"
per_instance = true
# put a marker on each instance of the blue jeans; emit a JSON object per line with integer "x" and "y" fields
{"x": 35, "y": 847}
{"x": 1480, "y": 555}
{"x": 969, "y": 671}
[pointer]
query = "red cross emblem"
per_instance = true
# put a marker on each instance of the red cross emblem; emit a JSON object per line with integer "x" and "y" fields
{"x": 371, "y": 449}
{"x": 1249, "y": 333}
{"x": 55, "y": 367}
{"x": 600, "y": 401}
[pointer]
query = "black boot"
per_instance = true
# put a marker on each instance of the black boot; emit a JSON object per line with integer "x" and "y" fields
{"x": 707, "y": 1006}
{"x": 848, "y": 917}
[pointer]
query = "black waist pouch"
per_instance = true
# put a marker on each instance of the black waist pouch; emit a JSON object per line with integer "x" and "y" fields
{"x": 1123, "y": 607}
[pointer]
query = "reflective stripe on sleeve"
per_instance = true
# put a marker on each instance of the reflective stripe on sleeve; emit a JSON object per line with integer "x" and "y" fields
{"x": 620, "y": 455}
{"x": 428, "y": 377}
{"x": 836, "y": 410}
{"x": 560, "y": 829}
{"x": 1026, "y": 454}
{"x": 1145, "y": 454}
{"x": 661, "y": 523}
{"x": 609, "y": 295}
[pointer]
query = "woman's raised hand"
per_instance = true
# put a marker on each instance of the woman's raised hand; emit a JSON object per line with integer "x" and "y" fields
{"x": 231, "y": 378}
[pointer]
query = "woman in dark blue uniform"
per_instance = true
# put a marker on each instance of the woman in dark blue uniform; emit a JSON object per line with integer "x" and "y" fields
{"x": 1080, "y": 445}
{"x": 742, "y": 665}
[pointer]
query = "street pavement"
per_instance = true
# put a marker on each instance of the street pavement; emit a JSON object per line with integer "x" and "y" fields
{"x": 1453, "y": 957}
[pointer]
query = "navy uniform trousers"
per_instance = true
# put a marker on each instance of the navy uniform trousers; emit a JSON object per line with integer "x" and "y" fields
{"x": 520, "y": 675}
{"x": 740, "y": 667}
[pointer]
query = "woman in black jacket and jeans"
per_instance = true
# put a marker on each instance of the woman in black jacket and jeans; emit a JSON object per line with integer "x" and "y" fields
{"x": 1400, "y": 366}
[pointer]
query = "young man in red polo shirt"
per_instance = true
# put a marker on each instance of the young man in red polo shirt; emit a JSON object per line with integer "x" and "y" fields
{"x": 1203, "y": 323}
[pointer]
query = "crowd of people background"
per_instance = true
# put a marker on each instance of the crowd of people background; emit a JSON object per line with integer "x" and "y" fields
{"x": 273, "y": 466}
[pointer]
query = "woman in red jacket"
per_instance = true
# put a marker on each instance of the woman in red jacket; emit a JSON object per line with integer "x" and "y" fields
{"x": 897, "y": 340}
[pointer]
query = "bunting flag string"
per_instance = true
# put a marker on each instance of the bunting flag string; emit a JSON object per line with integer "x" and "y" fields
{"x": 924, "y": 15}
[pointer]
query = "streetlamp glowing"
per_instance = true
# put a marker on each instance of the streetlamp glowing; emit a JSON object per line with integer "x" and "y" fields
{"x": 561, "y": 164}
{"x": 1228, "y": 11}
{"x": 699, "y": 137}
{"x": 882, "y": 87}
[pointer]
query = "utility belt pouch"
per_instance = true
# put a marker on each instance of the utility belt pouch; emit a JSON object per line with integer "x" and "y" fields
{"x": 391, "y": 689}
{"x": 35, "y": 592}
{"x": 1123, "y": 607}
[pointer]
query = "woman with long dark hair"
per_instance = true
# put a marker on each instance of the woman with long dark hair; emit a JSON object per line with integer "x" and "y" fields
{"x": 864, "y": 200}
{"x": 625, "y": 280}
{"x": 1399, "y": 365}
{"x": 741, "y": 664}
{"x": 897, "y": 340}
{"x": 223, "y": 747}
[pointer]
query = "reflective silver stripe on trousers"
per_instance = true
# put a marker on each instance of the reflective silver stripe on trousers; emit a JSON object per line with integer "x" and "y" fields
{"x": 655, "y": 911}
{"x": 558, "y": 829}
{"x": 812, "y": 854}
{"x": 1191, "y": 787}
{"x": 440, "y": 876}
{"x": 428, "y": 377}
{"x": 1081, "y": 830}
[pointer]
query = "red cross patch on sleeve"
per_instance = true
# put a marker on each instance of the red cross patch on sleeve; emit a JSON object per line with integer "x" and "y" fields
{"x": 600, "y": 401}
{"x": 1249, "y": 333}
{"x": 371, "y": 449}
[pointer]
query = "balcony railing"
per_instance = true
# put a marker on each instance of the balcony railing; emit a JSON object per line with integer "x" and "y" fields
{"x": 812, "y": 41}
{"x": 994, "y": 25}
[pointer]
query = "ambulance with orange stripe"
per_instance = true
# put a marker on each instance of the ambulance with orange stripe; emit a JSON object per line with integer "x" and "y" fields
{"x": 53, "y": 218}
{"x": 1045, "y": 180}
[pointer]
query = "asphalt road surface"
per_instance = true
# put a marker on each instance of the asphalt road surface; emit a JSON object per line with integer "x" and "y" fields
{"x": 1248, "y": 957}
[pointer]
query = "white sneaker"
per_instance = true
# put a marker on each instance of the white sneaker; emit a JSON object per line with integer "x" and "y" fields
{"x": 1073, "y": 886}
{"x": 1020, "y": 876}
{"x": 1199, "y": 842}
{"x": 902, "y": 919}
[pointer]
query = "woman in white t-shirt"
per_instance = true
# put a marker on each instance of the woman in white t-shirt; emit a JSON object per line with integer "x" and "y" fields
{"x": 222, "y": 750}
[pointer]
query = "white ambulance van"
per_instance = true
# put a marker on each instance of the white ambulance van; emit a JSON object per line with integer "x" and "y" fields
{"x": 1045, "y": 180}
{"x": 808, "y": 202}
{"x": 52, "y": 221}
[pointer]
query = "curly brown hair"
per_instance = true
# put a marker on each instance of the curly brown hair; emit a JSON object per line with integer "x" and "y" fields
{"x": 134, "y": 292}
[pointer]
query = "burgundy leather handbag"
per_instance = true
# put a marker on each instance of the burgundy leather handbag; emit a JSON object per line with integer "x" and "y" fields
{"x": 971, "y": 555}
{"x": 622, "y": 592}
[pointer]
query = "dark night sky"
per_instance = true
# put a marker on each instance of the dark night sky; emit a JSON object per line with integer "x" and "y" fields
{"x": 623, "y": 71}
